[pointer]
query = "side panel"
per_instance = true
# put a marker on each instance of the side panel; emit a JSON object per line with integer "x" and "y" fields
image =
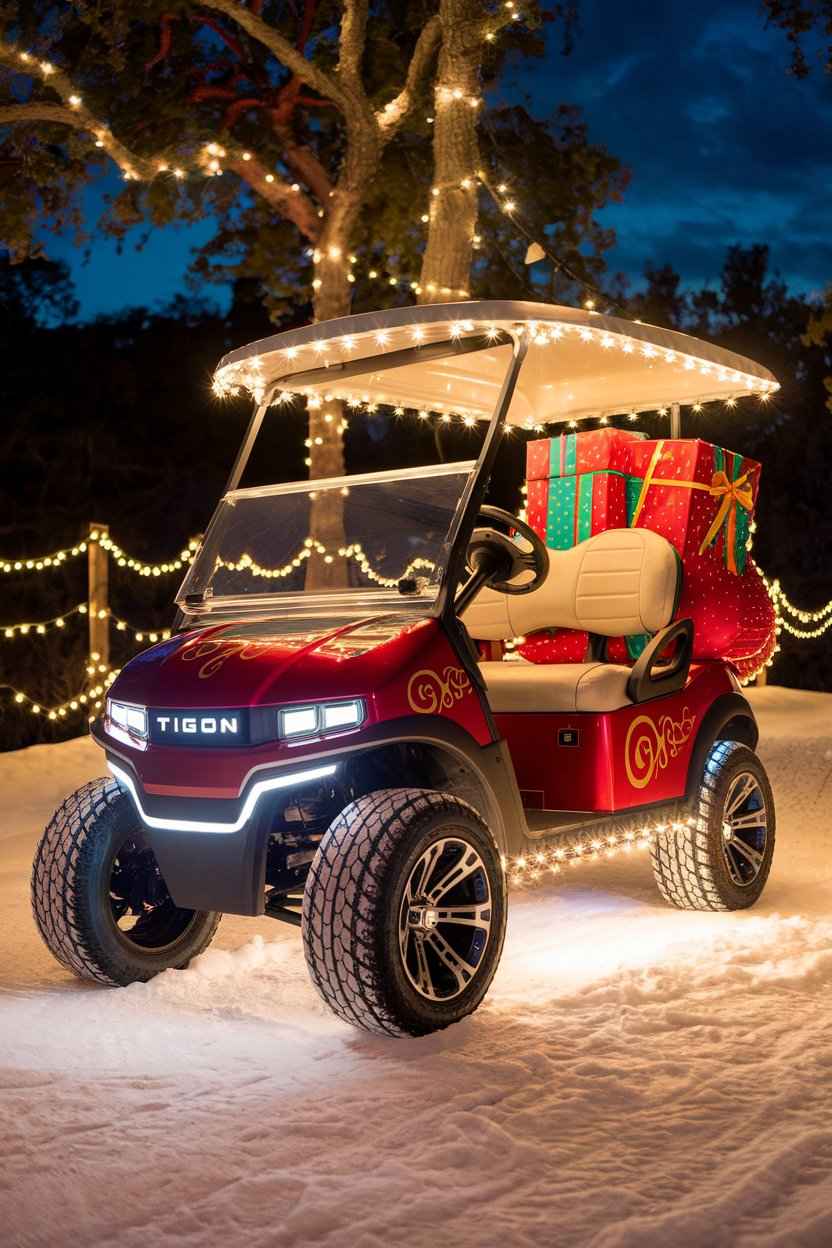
{"x": 562, "y": 761}
{"x": 616, "y": 761}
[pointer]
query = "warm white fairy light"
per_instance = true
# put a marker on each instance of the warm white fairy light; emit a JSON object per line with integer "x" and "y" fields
{"x": 40, "y": 627}
{"x": 88, "y": 699}
{"x": 591, "y": 846}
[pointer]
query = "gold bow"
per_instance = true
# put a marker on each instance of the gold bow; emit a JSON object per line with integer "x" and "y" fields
{"x": 734, "y": 494}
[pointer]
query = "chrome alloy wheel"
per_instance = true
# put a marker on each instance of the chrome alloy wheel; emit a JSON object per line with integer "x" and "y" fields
{"x": 445, "y": 919}
{"x": 744, "y": 829}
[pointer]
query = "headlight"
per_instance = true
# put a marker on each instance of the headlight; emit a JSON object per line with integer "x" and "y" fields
{"x": 126, "y": 722}
{"x": 321, "y": 717}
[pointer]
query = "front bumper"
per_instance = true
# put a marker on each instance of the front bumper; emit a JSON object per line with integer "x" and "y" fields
{"x": 220, "y": 863}
{"x": 258, "y": 789}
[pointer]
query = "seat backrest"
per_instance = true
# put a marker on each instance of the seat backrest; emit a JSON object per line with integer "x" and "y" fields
{"x": 619, "y": 582}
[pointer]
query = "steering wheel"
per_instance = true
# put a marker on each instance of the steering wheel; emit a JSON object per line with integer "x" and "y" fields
{"x": 500, "y": 559}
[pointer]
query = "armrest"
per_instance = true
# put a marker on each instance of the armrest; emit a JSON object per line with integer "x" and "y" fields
{"x": 651, "y": 679}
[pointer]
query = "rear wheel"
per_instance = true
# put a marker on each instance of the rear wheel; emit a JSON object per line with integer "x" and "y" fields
{"x": 404, "y": 912}
{"x": 722, "y": 858}
{"x": 99, "y": 898}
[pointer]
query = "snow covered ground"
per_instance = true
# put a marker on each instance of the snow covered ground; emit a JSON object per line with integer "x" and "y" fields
{"x": 637, "y": 1075}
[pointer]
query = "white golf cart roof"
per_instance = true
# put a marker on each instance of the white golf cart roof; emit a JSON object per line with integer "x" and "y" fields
{"x": 579, "y": 363}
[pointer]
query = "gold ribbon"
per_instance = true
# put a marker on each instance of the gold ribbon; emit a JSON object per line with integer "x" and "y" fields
{"x": 734, "y": 494}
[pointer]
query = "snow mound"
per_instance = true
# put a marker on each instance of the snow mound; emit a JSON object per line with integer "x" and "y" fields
{"x": 638, "y": 1077}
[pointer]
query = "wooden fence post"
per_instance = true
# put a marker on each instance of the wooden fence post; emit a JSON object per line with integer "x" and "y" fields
{"x": 98, "y": 595}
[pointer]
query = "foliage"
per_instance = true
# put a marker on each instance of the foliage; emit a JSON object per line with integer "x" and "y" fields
{"x": 801, "y": 19}
{"x": 171, "y": 77}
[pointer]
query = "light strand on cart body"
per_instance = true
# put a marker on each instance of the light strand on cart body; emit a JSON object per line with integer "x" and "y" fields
{"x": 538, "y": 865}
{"x": 248, "y": 374}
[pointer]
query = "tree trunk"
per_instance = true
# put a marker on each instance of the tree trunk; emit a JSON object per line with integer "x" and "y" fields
{"x": 326, "y": 569}
{"x": 446, "y": 264}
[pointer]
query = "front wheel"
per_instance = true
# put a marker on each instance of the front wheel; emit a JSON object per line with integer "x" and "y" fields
{"x": 404, "y": 912}
{"x": 720, "y": 859}
{"x": 99, "y": 898}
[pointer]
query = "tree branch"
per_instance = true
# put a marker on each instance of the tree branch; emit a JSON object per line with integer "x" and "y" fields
{"x": 72, "y": 112}
{"x": 305, "y": 164}
{"x": 294, "y": 205}
{"x": 351, "y": 42}
{"x": 165, "y": 39}
{"x": 394, "y": 113}
{"x": 281, "y": 48}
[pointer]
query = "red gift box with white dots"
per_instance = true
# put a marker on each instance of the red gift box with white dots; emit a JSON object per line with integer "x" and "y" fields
{"x": 732, "y": 613}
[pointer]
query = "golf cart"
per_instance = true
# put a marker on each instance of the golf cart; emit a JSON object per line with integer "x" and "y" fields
{"x": 325, "y": 739}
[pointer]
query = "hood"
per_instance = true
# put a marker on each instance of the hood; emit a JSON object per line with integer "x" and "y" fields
{"x": 257, "y": 663}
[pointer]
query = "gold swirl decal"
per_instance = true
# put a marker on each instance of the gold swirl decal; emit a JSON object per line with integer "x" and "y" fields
{"x": 649, "y": 746}
{"x": 428, "y": 693}
{"x": 213, "y": 654}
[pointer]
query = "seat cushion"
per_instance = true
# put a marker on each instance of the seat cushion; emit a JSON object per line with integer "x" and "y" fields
{"x": 521, "y": 686}
{"x": 618, "y": 583}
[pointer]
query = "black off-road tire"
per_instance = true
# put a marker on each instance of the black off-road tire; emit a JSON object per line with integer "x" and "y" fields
{"x": 352, "y": 904}
{"x": 71, "y": 894}
{"x": 689, "y": 862}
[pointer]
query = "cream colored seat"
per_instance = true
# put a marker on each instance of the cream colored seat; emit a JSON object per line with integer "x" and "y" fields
{"x": 617, "y": 583}
{"x": 522, "y": 686}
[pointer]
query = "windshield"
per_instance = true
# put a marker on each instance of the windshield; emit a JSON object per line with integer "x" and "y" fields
{"x": 332, "y": 550}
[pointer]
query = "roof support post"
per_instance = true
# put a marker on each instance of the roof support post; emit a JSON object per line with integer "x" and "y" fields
{"x": 675, "y": 420}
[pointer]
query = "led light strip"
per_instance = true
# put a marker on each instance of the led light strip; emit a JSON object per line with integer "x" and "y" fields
{"x": 537, "y": 865}
{"x": 205, "y": 825}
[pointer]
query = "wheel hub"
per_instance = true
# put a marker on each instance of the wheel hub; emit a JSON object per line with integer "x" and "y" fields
{"x": 421, "y": 918}
{"x": 445, "y": 919}
{"x": 744, "y": 829}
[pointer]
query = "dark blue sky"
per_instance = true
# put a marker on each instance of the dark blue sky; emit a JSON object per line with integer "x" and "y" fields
{"x": 694, "y": 98}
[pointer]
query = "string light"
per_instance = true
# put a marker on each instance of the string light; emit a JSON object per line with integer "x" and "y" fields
{"x": 605, "y": 840}
{"x": 822, "y": 616}
{"x": 42, "y": 563}
{"x": 248, "y": 374}
{"x": 11, "y": 631}
{"x": 88, "y": 699}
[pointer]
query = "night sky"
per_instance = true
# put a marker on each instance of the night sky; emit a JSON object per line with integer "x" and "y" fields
{"x": 723, "y": 145}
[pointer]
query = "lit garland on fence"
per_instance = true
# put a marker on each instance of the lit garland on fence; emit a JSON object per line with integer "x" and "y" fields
{"x": 41, "y": 627}
{"x": 783, "y": 606}
{"x": 88, "y": 699}
{"x": 42, "y": 562}
{"x": 311, "y": 545}
{"x": 57, "y": 558}
{"x": 124, "y": 560}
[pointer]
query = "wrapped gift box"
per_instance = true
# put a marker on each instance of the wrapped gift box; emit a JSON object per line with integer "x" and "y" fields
{"x": 579, "y": 484}
{"x": 697, "y": 495}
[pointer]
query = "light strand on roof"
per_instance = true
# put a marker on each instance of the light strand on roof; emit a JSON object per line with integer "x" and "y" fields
{"x": 248, "y": 374}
